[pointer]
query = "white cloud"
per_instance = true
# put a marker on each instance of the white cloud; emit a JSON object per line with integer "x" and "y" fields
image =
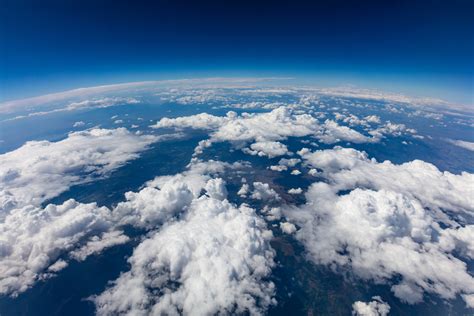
{"x": 392, "y": 129}
{"x": 215, "y": 258}
{"x": 263, "y": 191}
{"x": 278, "y": 168}
{"x": 377, "y": 307}
{"x": 40, "y": 170}
{"x": 372, "y": 119}
{"x": 86, "y": 104}
{"x": 28, "y": 103}
{"x": 462, "y": 143}
{"x": 383, "y": 222}
{"x": 78, "y": 124}
{"x": 273, "y": 126}
{"x": 287, "y": 228}
{"x": 348, "y": 168}
{"x": 244, "y": 190}
{"x": 32, "y": 238}
{"x": 97, "y": 244}
{"x": 295, "y": 191}
{"x": 198, "y": 121}
{"x": 289, "y": 162}
{"x": 268, "y": 148}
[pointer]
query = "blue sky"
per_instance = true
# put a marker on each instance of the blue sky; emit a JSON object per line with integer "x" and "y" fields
{"x": 418, "y": 47}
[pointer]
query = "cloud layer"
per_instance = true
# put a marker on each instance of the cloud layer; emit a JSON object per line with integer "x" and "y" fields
{"x": 40, "y": 170}
{"x": 214, "y": 258}
{"x": 388, "y": 223}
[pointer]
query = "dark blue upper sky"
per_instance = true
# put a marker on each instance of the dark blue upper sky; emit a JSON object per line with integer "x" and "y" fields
{"x": 420, "y": 47}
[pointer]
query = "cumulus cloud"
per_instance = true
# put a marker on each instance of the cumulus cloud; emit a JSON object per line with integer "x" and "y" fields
{"x": 377, "y": 307}
{"x": 214, "y": 259}
{"x": 35, "y": 241}
{"x": 267, "y": 148}
{"x": 40, "y": 170}
{"x": 265, "y": 129}
{"x": 388, "y": 223}
{"x": 287, "y": 228}
{"x": 295, "y": 191}
{"x": 348, "y": 168}
{"x": 263, "y": 191}
{"x": 32, "y": 238}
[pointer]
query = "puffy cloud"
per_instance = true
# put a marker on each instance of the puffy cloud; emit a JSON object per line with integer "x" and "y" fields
{"x": 244, "y": 190}
{"x": 348, "y": 168}
{"x": 166, "y": 196}
{"x": 278, "y": 168}
{"x": 388, "y": 223}
{"x": 265, "y": 128}
{"x": 289, "y": 162}
{"x": 372, "y": 119}
{"x": 267, "y": 148}
{"x": 214, "y": 259}
{"x": 377, "y": 307}
{"x": 78, "y": 124}
{"x": 198, "y": 121}
{"x": 32, "y": 238}
{"x": 35, "y": 240}
{"x": 333, "y": 133}
{"x": 263, "y": 191}
{"x": 40, "y": 170}
{"x": 392, "y": 129}
{"x": 295, "y": 191}
{"x": 287, "y": 228}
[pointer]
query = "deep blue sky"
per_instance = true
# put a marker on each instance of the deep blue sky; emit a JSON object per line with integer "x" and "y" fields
{"x": 420, "y": 47}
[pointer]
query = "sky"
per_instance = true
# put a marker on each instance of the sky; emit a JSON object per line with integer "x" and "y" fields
{"x": 422, "y": 48}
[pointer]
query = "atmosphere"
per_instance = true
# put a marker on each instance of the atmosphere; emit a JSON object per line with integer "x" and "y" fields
{"x": 422, "y": 48}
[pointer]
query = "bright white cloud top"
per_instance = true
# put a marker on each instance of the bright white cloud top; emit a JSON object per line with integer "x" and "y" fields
{"x": 40, "y": 170}
{"x": 391, "y": 222}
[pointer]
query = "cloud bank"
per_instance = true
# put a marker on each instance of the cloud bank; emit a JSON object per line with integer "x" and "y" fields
{"x": 389, "y": 223}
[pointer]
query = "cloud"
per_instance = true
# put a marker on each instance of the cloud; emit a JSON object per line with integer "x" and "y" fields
{"x": 263, "y": 191}
{"x": 79, "y": 124}
{"x": 28, "y": 103}
{"x": 267, "y": 148}
{"x": 430, "y": 103}
{"x": 388, "y": 223}
{"x": 462, "y": 143}
{"x": 348, "y": 168}
{"x": 264, "y": 129}
{"x": 214, "y": 259}
{"x": 40, "y": 170}
{"x": 333, "y": 133}
{"x": 32, "y": 238}
{"x": 97, "y": 244}
{"x": 287, "y": 228}
{"x": 377, "y": 307}
{"x": 295, "y": 191}
{"x": 35, "y": 241}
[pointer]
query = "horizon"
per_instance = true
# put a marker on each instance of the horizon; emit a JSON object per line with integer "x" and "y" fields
{"x": 410, "y": 48}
